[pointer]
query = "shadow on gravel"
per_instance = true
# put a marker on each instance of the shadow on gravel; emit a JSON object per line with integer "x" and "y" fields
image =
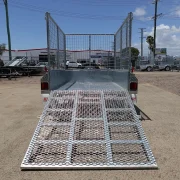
{"x": 144, "y": 116}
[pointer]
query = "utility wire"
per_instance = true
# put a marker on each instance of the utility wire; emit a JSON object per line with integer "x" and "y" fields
{"x": 103, "y": 3}
{"x": 35, "y": 8}
{"x": 63, "y": 13}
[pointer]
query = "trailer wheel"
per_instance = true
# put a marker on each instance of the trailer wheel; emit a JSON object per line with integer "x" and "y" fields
{"x": 167, "y": 68}
{"x": 149, "y": 69}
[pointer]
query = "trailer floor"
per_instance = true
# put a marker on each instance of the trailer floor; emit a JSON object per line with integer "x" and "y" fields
{"x": 21, "y": 104}
{"x": 79, "y": 85}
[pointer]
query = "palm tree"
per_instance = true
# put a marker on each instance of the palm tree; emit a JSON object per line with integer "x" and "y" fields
{"x": 150, "y": 41}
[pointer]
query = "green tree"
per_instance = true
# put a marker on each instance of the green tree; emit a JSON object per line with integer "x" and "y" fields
{"x": 134, "y": 54}
{"x": 150, "y": 41}
{"x": 2, "y": 48}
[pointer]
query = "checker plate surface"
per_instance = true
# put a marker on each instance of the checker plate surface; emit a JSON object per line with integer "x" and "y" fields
{"x": 89, "y": 129}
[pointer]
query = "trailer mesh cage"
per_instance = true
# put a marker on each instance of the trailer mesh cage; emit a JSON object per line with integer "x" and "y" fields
{"x": 89, "y": 129}
{"x": 112, "y": 51}
{"x": 90, "y": 121}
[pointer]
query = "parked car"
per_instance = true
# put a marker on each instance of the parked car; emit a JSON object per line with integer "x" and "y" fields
{"x": 146, "y": 65}
{"x": 163, "y": 65}
{"x": 90, "y": 66}
{"x": 71, "y": 64}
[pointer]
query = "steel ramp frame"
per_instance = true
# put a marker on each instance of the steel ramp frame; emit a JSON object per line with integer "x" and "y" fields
{"x": 89, "y": 130}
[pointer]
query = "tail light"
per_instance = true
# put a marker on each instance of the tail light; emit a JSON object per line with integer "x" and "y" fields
{"x": 44, "y": 86}
{"x": 132, "y": 70}
{"x": 45, "y": 99}
{"x": 133, "y": 86}
{"x": 45, "y": 69}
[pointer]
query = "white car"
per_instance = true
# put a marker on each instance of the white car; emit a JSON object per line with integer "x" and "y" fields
{"x": 71, "y": 64}
{"x": 145, "y": 65}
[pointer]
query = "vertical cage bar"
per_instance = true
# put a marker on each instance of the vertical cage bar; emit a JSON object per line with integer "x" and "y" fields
{"x": 48, "y": 45}
{"x": 58, "y": 40}
{"x": 64, "y": 51}
{"x": 114, "y": 49}
{"x": 127, "y": 33}
{"x": 48, "y": 38}
{"x": 130, "y": 36}
{"x": 90, "y": 48}
{"x": 121, "y": 46}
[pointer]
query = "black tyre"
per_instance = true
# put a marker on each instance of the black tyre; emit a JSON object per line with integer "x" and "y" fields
{"x": 149, "y": 69}
{"x": 167, "y": 68}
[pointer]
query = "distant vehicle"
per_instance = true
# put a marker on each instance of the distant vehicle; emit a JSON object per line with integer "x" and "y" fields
{"x": 162, "y": 65}
{"x": 176, "y": 65}
{"x": 43, "y": 67}
{"x": 146, "y": 65}
{"x": 90, "y": 66}
{"x": 71, "y": 64}
{"x": 42, "y": 64}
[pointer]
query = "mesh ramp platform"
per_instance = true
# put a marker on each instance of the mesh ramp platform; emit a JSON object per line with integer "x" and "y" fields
{"x": 89, "y": 129}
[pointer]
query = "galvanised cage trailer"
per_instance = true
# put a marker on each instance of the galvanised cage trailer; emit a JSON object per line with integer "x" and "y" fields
{"x": 89, "y": 120}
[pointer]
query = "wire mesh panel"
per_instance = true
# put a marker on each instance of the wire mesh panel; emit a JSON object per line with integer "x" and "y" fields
{"x": 90, "y": 49}
{"x": 108, "y": 50}
{"x": 123, "y": 44}
{"x": 56, "y": 44}
{"x": 95, "y": 129}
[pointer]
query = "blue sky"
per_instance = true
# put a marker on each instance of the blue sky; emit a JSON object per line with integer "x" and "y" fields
{"x": 28, "y": 28}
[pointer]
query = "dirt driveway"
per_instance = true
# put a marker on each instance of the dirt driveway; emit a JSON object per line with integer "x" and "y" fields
{"x": 21, "y": 104}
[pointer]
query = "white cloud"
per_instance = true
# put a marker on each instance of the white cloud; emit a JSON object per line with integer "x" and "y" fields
{"x": 166, "y": 37}
{"x": 140, "y": 11}
{"x": 177, "y": 11}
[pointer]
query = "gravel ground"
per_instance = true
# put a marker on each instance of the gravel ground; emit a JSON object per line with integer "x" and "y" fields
{"x": 21, "y": 104}
{"x": 169, "y": 81}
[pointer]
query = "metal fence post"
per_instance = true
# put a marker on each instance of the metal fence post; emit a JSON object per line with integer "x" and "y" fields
{"x": 115, "y": 65}
{"x": 120, "y": 54}
{"x": 127, "y": 33}
{"x": 48, "y": 38}
{"x": 130, "y": 36}
{"x": 90, "y": 48}
{"x": 58, "y": 59}
{"x": 64, "y": 51}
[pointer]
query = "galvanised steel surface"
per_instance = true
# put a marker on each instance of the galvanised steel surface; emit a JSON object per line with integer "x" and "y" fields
{"x": 89, "y": 129}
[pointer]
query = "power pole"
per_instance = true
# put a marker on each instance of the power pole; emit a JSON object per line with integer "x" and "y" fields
{"x": 155, "y": 20}
{"x": 142, "y": 37}
{"x": 8, "y": 28}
